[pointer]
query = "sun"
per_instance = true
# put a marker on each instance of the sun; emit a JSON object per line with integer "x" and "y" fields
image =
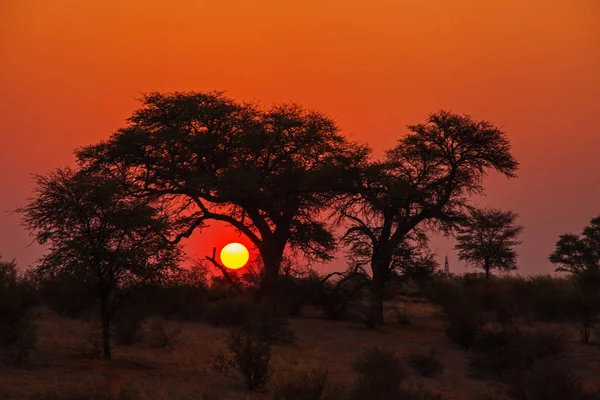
{"x": 234, "y": 255}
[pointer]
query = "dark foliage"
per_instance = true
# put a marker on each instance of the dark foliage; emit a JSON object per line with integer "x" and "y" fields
{"x": 507, "y": 350}
{"x": 486, "y": 239}
{"x": 424, "y": 181}
{"x": 380, "y": 374}
{"x": 313, "y": 384}
{"x": 426, "y": 364}
{"x": 163, "y": 335}
{"x": 548, "y": 381}
{"x": 18, "y": 331}
{"x": 250, "y": 358}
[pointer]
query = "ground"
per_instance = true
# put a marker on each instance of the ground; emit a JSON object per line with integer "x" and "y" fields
{"x": 186, "y": 370}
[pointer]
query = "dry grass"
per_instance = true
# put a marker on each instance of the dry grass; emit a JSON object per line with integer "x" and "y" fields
{"x": 186, "y": 371}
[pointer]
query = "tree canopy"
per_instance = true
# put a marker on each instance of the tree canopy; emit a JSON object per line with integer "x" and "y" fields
{"x": 577, "y": 254}
{"x": 486, "y": 239}
{"x": 425, "y": 179}
{"x": 269, "y": 173}
{"x": 99, "y": 234}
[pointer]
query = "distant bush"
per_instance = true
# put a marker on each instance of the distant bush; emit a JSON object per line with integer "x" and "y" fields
{"x": 270, "y": 323}
{"x": 500, "y": 352}
{"x": 17, "y": 327}
{"x": 380, "y": 374}
{"x": 91, "y": 347}
{"x": 250, "y": 358}
{"x": 127, "y": 329}
{"x": 308, "y": 385}
{"x": 464, "y": 319}
{"x": 548, "y": 381}
{"x": 426, "y": 365}
{"x": 163, "y": 336}
{"x": 227, "y": 313}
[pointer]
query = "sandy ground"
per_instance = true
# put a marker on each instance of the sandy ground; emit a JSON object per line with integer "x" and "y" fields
{"x": 186, "y": 370}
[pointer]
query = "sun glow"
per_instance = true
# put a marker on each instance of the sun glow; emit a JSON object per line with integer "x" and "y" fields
{"x": 234, "y": 255}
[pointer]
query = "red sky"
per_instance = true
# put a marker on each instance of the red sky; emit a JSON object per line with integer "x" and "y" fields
{"x": 70, "y": 72}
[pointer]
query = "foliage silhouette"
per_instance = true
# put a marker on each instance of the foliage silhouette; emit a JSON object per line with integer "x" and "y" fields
{"x": 96, "y": 232}
{"x": 486, "y": 239}
{"x": 269, "y": 173}
{"x": 425, "y": 180}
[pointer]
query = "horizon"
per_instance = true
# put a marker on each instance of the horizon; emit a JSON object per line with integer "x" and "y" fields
{"x": 70, "y": 80}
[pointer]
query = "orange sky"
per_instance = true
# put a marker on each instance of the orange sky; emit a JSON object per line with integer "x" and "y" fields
{"x": 70, "y": 71}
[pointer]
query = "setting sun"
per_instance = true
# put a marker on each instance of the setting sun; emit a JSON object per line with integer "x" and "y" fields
{"x": 234, "y": 255}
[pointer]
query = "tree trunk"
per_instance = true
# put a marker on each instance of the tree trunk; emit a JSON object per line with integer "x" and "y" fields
{"x": 379, "y": 267}
{"x": 487, "y": 271}
{"x": 376, "y": 302}
{"x": 105, "y": 315}
{"x": 272, "y": 255}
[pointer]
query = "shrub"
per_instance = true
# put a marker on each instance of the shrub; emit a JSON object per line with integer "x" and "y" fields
{"x": 548, "y": 381}
{"x": 91, "y": 346}
{"x": 128, "y": 328}
{"x": 251, "y": 358}
{"x": 163, "y": 337}
{"x": 271, "y": 324}
{"x": 380, "y": 374}
{"x": 464, "y": 321}
{"x": 17, "y": 327}
{"x": 500, "y": 352}
{"x": 228, "y": 313}
{"x": 308, "y": 385}
{"x": 426, "y": 365}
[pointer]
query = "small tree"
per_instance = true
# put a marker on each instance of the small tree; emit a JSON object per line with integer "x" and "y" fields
{"x": 579, "y": 255}
{"x": 108, "y": 240}
{"x": 486, "y": 239}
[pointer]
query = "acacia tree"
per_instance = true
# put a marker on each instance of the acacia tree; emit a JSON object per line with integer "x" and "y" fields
{"x": 486, "y": 239}
{"x": 269, "y": 173}
{"x": 423, "y": 182}
{"x": 95, "y": 232}
{"x": 579, "y": 255}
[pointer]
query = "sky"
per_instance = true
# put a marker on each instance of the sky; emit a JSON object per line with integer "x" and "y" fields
{"x": 71, "y": 72}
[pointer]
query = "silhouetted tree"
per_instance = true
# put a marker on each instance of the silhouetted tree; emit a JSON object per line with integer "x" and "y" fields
{"x": 424, "y": 180}
{"x": 486, "y": 239}
{"x": 267, "y": 173}
{"x": 96, "y": 232}
{"x": 579, "y": 255}
{"x": 576, "y": 254}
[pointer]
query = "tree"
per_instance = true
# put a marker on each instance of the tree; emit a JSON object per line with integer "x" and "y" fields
{"x": 269, "y": 173}
{"x": 423, "y": 182}
{"x": 486, "y": 239}
{"x": 579, "y": 255}
{"x": 108, "y": 240}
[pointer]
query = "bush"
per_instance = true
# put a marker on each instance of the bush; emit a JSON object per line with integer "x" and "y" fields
{"x": 228, "y": 313}
{"x": 128, "y": 329}
{"x": 270, "y": 323}
{"x": 308, "y": 385}
{"x": 464, "y": 321}
{"x": 426, "y": 365}
{"x": 380, "y": 374}
{"x": 251, "y": 358}
{"x": 548, "y": 381}
{"x": 501, "y": 352}
{"x": 17, "y": 327}
{"x": 163, "y": 337}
